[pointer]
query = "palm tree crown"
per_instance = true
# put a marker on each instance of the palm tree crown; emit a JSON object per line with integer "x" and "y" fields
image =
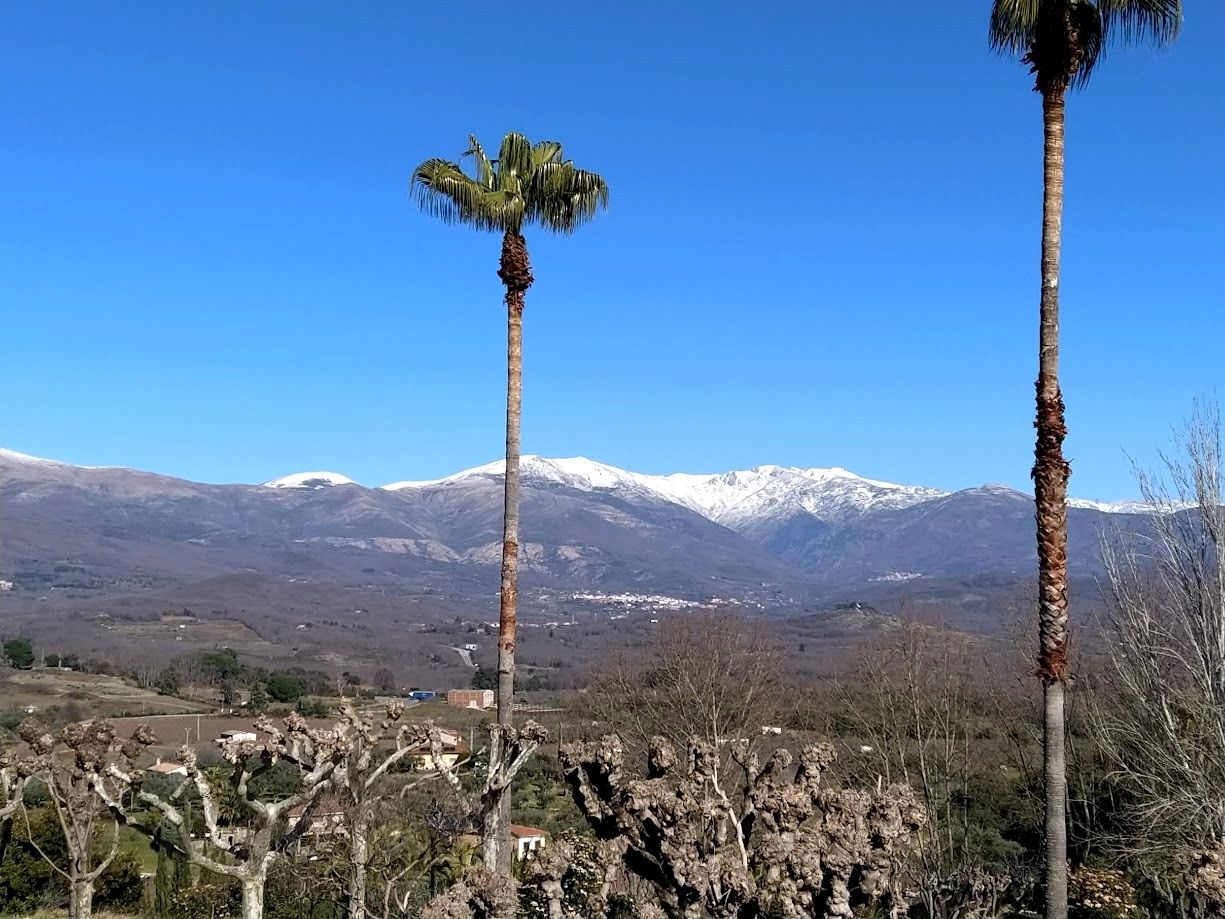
{"x": 1063, "y": 40}
{"x": 527, "y": 184}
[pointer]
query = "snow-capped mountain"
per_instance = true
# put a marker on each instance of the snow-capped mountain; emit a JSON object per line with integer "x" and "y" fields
{"x": 740, "y": 499}
{"x": 310, "y": 480}
{"x": 758, "y": 535}
{"x": 733, "y": 499}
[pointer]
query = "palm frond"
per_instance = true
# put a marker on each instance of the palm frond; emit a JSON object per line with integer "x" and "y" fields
{"x": 515, "y": 156}
{"x": 1065, "y": 39}
{"x": 501, "y": 211}
{"x": 1013, "y": 24}
{"x": 546, "y": 151}
{"x": 1138, "y": 21}
{"x": 443, "y": 190}
{"x": 565, "y": 198}
{"x": 525, "y": 184}
{"x": 484, "y": 168}
{"x": 1090, "y": 29}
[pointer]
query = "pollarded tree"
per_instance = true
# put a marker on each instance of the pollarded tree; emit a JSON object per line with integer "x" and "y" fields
{"x": 247, "y": 854}
{"x": 14, "y": 773}
{"x": 527, "y": 185}
{"x": 68, "y": 762}
{"x": 1062, "y": 41}
{"x": 770, "y": 838}
{"x": 371, "y": 748}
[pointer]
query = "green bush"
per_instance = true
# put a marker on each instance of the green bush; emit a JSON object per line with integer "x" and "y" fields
{"x": 284, "y": 687}
{"x": 19, "y": 653}
{"x": 218, "y": 900}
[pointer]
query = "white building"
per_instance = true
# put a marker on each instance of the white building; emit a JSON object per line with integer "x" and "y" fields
{"x": 528, "y": 840}
{"x": 169, "y": 768}
{"x": 235, "y": 737}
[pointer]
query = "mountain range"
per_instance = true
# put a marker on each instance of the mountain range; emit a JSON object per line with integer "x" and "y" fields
{"x": 773, "y": 537}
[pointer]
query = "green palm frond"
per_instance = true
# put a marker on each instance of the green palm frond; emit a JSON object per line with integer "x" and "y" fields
{"x": 526, "y": 184}
{"x": 1013, "y": 23}
{"x": 1063, "y": 40}
{"x": 514, "y": 156}
{"x": 484, "y": 168}
{"x": 547, "y": 151}
{"x": 1138, "y": 21}
{"x": 445, "y": 191}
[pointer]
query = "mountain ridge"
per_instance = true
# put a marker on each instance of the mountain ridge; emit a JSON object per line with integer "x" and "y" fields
{"x": 773, "y": 537}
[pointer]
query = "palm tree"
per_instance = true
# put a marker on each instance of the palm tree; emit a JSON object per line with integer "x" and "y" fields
{"x": 528, "y": 184}
{"x": 1062, "y": 41}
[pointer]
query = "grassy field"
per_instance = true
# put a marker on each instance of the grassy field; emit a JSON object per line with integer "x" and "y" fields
{"x": 94, "y": 694}
{"x": 197, "y": 633}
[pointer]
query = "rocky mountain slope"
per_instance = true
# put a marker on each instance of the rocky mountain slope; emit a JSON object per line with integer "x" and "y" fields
{"x": 772, "y": 536}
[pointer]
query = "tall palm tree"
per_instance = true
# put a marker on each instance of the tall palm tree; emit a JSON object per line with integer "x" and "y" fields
{"x": 1062, "y": 41}
{"x": 527, "y": 184}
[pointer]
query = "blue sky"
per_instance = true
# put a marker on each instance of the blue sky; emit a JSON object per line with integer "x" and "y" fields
{"x": 821, "y": 247}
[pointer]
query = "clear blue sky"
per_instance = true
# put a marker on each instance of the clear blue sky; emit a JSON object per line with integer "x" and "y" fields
{"x": 821, "y": 248}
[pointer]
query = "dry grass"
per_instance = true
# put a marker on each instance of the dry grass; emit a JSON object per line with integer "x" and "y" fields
{"x": 97, "y": 694}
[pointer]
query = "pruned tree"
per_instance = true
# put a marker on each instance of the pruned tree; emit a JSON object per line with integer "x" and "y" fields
{"x": 68, "y": 763}
{"x": 372, "y": 747}
{"x": 509, "y": 751}
{"x": 248, "y": 854}
{"x": 779, "y": 839}
{"x": 14, "y": 773}
{"x": 1162, "y": 721}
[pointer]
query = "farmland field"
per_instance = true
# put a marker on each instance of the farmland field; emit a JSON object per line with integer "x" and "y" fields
{"x": 94, "y": 694}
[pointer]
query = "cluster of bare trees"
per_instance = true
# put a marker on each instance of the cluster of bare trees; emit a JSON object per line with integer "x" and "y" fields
{"x": 90, "y": 772}
{"x": 1161, "y": 723}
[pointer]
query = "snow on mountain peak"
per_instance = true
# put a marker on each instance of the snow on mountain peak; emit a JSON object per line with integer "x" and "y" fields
{"x": 734, "y": 498}
{"x": 312, "y": 480}
{"x": 14, "y": 457}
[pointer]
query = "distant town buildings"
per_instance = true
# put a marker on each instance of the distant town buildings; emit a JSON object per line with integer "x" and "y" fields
{"x": 480, "y": 699}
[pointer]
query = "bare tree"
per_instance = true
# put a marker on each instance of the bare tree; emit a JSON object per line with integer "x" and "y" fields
{"x": 1162, "y": 717}
{"x": 246, "y": 856}
{"x": 918, "y": 718}
{"x": 68, "y": 763}
{"x": 373, "y": 746}
{"x": 712, "y": 675}
{"x": 780, "y": 839}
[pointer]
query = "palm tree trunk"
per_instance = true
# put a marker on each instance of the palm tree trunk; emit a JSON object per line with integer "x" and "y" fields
{"x": 516, "y": 274}
{"x": 1050, "y": 475}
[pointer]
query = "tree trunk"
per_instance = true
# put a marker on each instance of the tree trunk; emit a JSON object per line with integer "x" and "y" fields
{"x": 495, "y": 834}
{"x": 81, "y": 906}
{"x": 359, "y": 856}
{"x": 1050, "y": 475}
{"x": 516, "y": 274}
{"x": 253, "y": 897}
